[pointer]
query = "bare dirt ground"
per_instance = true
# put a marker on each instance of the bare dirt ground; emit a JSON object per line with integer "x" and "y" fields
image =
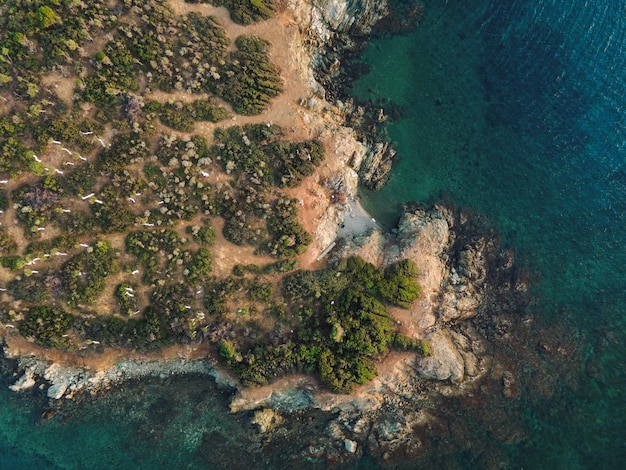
{"x": 226, "y": 254}
{"x": 62, "y": 86}
{"x": 19, "y": 346}
{"x": 281, "y": 31}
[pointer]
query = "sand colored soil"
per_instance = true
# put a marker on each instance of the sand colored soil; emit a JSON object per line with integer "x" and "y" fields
{"x": 282, "y": 33}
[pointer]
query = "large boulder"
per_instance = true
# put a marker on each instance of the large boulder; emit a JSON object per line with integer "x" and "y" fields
{"x": 445, "y": 363}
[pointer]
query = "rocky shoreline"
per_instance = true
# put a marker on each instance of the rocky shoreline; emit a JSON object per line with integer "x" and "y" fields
{"x": 473, "y": 312}
{"x": 63, "y": 381}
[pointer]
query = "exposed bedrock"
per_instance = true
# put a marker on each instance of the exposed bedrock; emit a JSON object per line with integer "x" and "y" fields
{"x": 333, "y": 32}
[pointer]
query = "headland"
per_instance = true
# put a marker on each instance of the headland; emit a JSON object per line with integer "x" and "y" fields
{"x": 458, "y": 341}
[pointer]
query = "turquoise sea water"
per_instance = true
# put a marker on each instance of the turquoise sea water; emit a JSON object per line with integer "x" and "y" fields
{"x": 513, "y": 108}
{"x": 176, "y": 423}
{"x": 517, "y": 109}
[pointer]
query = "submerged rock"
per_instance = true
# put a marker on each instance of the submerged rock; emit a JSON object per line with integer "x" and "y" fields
{"x": 350, "y": 446}
{"x": 267, "y": 419}
{"x": 25, "y": 382}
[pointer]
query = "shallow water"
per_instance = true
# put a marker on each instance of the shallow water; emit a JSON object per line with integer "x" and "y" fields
{"x": 181, "y": 422}
{"x": 517, "y": 109}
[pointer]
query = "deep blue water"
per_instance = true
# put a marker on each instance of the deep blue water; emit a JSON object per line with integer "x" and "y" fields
{"x": 514, "y": 108}
{"x": 517, "y": 109}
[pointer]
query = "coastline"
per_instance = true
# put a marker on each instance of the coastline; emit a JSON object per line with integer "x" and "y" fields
{"x": 464, "y": 274}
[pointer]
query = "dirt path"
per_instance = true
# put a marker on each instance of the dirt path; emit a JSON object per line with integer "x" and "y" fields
{"x": 282, "y": 32}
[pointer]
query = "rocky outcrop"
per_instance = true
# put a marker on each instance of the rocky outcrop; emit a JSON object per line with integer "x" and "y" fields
{"x": 445, "y": 363}
{"x": 375, "y": 165}
{"x": 64, "y": 381}
{"x": 267, "y": 419}
{"x": 467, "y": 279}
{"x": 332, "y": 32}
{"x": 330, "y": 18}
{"x": 26, "y": 381}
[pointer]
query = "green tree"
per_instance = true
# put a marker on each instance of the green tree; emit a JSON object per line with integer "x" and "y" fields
{"x": 47, "y": 325}
{"x": 47, "y": 17}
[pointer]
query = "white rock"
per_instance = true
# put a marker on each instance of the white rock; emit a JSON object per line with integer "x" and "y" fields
{"x": 57, "y": 390}
{"x": 25, "y": 382}
{"x": 350, "y": 446}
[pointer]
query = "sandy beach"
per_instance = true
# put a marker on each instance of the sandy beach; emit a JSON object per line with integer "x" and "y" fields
{"x": 357, "y": 221}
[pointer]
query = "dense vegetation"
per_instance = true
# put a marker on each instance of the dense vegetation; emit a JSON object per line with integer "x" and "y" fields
{"x": 47, "y": 325}
{"x": 342, "y": 325}
{"x": 147, "y": 47}
{"x": 183, "y": 116}
{"x": 259, "y": 161}
{"x": 251, "y": 78}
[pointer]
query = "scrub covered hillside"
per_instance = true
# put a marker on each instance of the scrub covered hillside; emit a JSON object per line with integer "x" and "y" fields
{"x": 115, "y": 193}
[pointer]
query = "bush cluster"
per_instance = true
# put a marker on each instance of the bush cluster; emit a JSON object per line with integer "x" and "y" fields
{"x": 258, "y": 160}
{"x": 287, "y": 238}
{"x": 126, "y": 297}
{"x": 29, "y": 289}
{"x": 47, "y": 325}
{"x": 343, "y": 326}
{"x": 146, "y": 333}
{"x": 204, "y": 235}
{"x": 84, "y": 275}
{"x": 250, "y": 79}
{"x": 255, "y": 152}
{"x": 126, "y": 148}
{"x": 114, "y": 214}
{"x": 7, "y": 244}
{"x": 157, "y": 250}
{"x": 183, "y": 116}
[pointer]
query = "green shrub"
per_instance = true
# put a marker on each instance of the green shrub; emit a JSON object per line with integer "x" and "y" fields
{"x": 14, "y": 263}
{"x": 287, "y": 238}
{"x": 204, "y": 235}
{"x": 250, "y": 79}
{"x": 176, "y": 117}
{"x": 7, "y": 244}
{"x": 47, "y": 325}
{"x": 126, "y": 148}
{"x": 125, "y": 295}
{"x": 399, "y": 286}
{"x": 260, "y": 291}
{"x": 84, "y": 275}
{"x": 114, "y": 214}
{"x": 200, "y": 266}
{"x": 78, "y": 181}
{"x": 404, "y": 343}
{"x": 47, "y": 17}
{"x": 30, "y": 289}
{"x": 282, "y": 266}
{"x": 227, "y": 350}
